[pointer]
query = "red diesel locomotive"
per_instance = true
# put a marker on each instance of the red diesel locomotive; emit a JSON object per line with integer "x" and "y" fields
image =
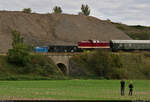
{"x": 93, "y": 44}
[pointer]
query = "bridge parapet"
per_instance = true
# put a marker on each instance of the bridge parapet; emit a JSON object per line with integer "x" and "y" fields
{"x": 61, "y": 53}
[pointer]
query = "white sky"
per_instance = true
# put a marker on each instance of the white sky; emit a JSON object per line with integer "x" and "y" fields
{"x": 131, "y": 12}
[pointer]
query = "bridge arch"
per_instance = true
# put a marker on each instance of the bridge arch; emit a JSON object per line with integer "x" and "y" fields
{"x": 62, "y": 67}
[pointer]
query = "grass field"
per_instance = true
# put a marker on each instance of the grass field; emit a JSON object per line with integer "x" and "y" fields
{"x": 73, "y": 90}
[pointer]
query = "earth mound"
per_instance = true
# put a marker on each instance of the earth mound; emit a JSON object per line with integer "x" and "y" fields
{"x": 54, "y": 29}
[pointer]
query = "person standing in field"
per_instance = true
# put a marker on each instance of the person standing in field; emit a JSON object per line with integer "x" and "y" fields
{"x": 130, "y": 88}
{"x": 122, "y": 82}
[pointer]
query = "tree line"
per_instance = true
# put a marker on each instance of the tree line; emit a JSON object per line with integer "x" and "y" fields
{"x": 85, "y": 10}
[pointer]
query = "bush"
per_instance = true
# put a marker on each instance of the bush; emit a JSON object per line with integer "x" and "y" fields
{"x": 43, "y": 65}
{"x": 27, "y": 10}
{"x": 57, "y": 9}
{"x": 19, "y": 54}
{"x": 102, "y": 64}
{"x": 31, "y": 71}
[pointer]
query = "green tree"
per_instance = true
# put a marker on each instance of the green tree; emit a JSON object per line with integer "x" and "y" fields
{"x": 100, "y": 63}
{"x": 27, "y": 10}
{"x": 20, "y": 53}
{"x": 57, "y": 9}
{"x": 16, "y": 37}
{"x": 85, "y": 10}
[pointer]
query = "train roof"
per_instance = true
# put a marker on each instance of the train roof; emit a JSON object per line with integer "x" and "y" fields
{"x": 130, "y": 41}
{"x": 93, "y": 41}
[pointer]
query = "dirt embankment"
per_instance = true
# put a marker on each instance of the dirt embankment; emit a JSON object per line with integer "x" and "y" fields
{"x": 50, "y": 29}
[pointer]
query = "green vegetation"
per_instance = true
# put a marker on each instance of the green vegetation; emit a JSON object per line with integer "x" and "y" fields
{"x": 109, "y": 65}
{"x": 136, "y": 65}
{"x": 27, "y": 10}
{"x": 101, "y": 64}
{"x": 20, "y": 64}
{"x": 57, "y": 9}
{"x": 73, "y": 89}
{"x": 135, "y": 32}
{"x": 20, "y": 53}
{"x": 17, "y": 39}
{"x": 39, "y": 68}
{"x": 85, "y": 10}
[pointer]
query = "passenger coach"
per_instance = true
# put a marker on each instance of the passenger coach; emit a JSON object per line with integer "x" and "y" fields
{"x": 129, "y": 45}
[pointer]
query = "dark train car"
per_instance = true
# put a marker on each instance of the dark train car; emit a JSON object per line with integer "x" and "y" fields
{"x": 64, "y": 48}
{"x": 129, "y": 45}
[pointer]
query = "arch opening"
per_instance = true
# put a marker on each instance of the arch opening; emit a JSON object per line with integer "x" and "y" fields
{"x": 63, "y": 68}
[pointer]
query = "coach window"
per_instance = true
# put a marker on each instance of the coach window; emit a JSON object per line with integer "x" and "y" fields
{"x": 133, "y": 45}
{"x": 120, "y": 45}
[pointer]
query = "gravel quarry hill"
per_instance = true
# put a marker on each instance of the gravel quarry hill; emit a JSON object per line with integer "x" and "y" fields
{"x": 54, "y": 29}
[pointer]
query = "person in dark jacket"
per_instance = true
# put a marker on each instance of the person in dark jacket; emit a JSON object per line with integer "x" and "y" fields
{"x": 130, "y": 88}
{"x": 122, "y": 82}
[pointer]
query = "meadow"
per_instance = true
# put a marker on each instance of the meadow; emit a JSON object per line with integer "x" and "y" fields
{"x": 72, "y": 90}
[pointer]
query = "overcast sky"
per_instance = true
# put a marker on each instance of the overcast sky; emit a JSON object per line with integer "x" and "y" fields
{"x": 131, "y": 12}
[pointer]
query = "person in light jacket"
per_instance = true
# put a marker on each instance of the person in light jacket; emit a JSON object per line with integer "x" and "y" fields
{"x": 130, "y": 88}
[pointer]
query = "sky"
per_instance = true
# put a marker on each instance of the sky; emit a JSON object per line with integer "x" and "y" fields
{"x": 131, "y": 12}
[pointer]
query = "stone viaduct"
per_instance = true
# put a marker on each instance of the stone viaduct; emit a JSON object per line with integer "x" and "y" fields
{"x": 62, "y": 60}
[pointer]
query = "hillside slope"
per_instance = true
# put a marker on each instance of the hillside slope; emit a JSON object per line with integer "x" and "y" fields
{"x": 46, "y": 29}
{"x": 137, "y": 32}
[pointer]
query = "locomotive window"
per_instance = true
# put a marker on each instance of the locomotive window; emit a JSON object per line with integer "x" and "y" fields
{"x": 94, "y": 41}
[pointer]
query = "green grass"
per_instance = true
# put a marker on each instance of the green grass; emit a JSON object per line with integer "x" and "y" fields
{"x": 73, "y": 90}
